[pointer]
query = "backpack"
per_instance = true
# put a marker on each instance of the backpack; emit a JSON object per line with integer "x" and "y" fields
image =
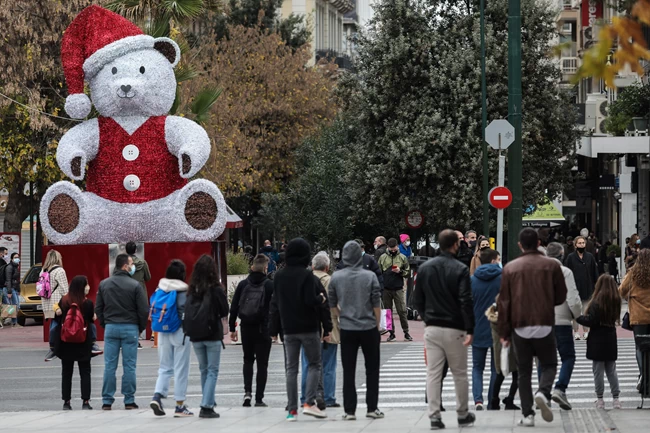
{"x": 273, "y": 259}
{"x": 200, "y": 321}
{"x": 251, "y": 303}
{"x": 43, "y": 286}
{"x": 163, "y": 312}
{"x": 73, "y": 329}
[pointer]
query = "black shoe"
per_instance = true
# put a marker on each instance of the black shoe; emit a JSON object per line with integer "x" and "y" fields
{"x": 50, "y": 356}
{"x": 437, "y": 424}
{"x": 66, "y": 405}
{"x": 157, "y": 406}
{"x": 139, "y": 346}
{"x": 247, "y": 400}
{"x": 495, "y": 404}
{"x": 510, "y": 404}
{"x": 391, "y": 337}
{"x": 408, "y": 337}
{"x": 131, "y": 406}
{"x": 86, "y": 406}
{"x": 261, "y": 404}
{"x": 468, "y": 420}
{"x": 208, "y": 412}
{"x": 442, "y": 409}
{"x": 320, "y": 404}
{"x": 286, "y": 408}
{"x": 333, "y": 405}
{"x": 107, "y": 407}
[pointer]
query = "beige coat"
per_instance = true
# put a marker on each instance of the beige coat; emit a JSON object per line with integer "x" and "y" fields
{"x": 58, "y": 281}
{"x": 335, "y": 335}
{"x": 639, "y": 301}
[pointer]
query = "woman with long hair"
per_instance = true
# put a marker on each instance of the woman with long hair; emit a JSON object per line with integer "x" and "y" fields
{"x": 601, "y": 316}
{"x": 79, "y": 352}
{"x": 482, "y": 244}
{"x": 53, "y": 266}
{"x": 631, "y": 251}
{"x": 635, "y": 288}
{"x": 205, "y": 308}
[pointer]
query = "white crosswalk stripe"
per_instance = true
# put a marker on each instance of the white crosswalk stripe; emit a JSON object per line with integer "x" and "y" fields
{"x": 402, "y": 381}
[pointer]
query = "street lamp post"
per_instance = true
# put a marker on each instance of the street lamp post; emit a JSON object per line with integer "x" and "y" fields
{"x": 514, "y": 116}
{"x": 486, "y": 207}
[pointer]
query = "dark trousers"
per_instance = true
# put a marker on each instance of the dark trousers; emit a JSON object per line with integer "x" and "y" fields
{"x": 498, "y": 381}
{"x": 369, "y": 343}
{"x": 256, "y": 345}
{"x": 545, "y": 351}
{"x": 640, "y": 330}
{"x": 567, "y": 350}
{"x": 66, "y": 379}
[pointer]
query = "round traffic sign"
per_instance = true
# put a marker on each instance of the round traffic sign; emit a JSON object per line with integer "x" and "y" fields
{"x": 414, "y": 219}
{"x": 500, "y": 197}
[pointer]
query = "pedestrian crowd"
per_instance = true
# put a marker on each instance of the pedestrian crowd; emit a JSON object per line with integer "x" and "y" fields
{"x": 521, "y": 315}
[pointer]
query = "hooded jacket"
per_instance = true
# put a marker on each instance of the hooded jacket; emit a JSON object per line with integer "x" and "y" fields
{"x": 121, "y": 300}
{"x": 486, "y": 282}
{"x": 297, "y": 300}
{"x": 355, "y": 291}
{"x": 178, "y": 286}
{"x": 369, "y": 263}
{"x": 572, "y": 307}
{"x": 142, "y": 274}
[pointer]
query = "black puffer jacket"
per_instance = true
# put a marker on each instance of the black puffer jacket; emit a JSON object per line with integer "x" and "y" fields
{"x": 443, "y": 294}
{"x": 12, "y": 278}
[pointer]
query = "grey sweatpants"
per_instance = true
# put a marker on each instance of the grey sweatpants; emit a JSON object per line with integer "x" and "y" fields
{"x": 601, "y": 368}
{"x": 311, "y": 344}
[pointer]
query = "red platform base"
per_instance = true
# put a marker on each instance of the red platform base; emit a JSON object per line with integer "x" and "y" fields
{"x": 92, "y": 260}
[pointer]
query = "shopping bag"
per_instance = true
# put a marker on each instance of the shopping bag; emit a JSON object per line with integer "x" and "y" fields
{"x": 8, "y": 311}
{"x": 386, "y": 321}
{"x": 505, "y": 360}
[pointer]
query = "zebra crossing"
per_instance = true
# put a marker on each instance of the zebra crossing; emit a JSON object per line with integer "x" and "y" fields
{"x": 402, "y": 379}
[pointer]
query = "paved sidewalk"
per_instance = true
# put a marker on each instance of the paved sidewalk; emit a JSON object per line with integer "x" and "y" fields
{"x": 256, "y": 420}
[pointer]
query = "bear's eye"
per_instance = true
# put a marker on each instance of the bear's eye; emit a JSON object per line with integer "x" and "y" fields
{"x": 114, "y": 70}
{"x": 142, "y": 69}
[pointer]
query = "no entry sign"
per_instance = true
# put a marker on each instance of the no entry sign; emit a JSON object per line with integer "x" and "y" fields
{"x": 414, "y": 219}
{"x": 500, "y": 197}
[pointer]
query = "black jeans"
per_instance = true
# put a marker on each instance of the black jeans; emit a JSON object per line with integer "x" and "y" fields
{"x": 545, "y": 351}
{"x": 256, "y": 345}
{"x": 66, "y": 379}
{"x": 369, "y": 343}
{"x": 640, "y": 330}
{"x": 513, "y": 386}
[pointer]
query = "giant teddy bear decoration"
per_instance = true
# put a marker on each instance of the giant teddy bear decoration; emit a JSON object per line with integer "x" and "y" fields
{"x": 139, "y": 158}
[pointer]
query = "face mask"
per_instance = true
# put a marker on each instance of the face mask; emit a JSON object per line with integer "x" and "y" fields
{"x": 472, "y": 244}
{"x": 87, "y": 290}
{"x": 16, "y": 260}
{"x": 407, "y": 243}
{"x": 393, "y": 253}
{"x": 132, "y": 271}
{"x": 638, "y": 241}
{"x": 485, "y": 248}
{"x": 363, "y": 253}
{"x": 581, "y": 250}
{"x": 500, "y": 265}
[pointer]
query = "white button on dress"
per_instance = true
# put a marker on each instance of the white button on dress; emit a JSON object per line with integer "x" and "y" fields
{"x": 131, "y": 152}
{"x": 131, "y": 182}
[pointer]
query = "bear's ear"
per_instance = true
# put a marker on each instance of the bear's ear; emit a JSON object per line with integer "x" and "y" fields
{"x": 169, "y": 49}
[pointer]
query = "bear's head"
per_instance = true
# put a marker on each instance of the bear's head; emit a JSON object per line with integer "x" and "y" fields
{"x": 139, "y": 83}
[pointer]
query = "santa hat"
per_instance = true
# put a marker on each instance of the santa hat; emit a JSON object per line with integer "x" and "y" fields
{"x": 94, "y": 38}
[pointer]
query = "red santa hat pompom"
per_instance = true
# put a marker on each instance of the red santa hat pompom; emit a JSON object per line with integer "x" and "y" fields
{"x": 94, "y": 38}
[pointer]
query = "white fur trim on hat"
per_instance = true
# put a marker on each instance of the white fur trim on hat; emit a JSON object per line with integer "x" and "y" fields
{"x": 115, "y": 50}
{"x": 78, "y": 105}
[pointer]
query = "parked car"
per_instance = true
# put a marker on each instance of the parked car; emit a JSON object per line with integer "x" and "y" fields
{"x": 30, "y": 302}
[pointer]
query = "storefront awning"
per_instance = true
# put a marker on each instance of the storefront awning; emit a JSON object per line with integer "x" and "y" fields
{"x": 233, "y": 221}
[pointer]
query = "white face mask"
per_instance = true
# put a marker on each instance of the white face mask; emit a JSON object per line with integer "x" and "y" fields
{"x": 87, "y": 290}
{"x": 407, "y": 243}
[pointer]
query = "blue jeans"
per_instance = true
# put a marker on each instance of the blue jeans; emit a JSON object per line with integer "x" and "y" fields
{"x": 209, "y": 355}
{"x": 328, "y": 380}
{"x": 120, "y": 336}
{"x": 479, "y": 354}
{"x": 566, "y": 348}
{"x": 15, "y": 300}
{"x": 174, "y": 362}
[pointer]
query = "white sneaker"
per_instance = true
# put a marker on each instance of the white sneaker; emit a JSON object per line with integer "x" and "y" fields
{"x": 585, "y": 335}
{"x": 313, "y": 411}
{"x": 542, "y": 403}
{"x": 576, "y": 336}
{"x": 600, "y": 404}
{"x": 528, "y": 421}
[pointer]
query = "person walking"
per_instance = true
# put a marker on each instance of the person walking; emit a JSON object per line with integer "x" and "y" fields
{"x": 443, "y": 296}
{"x": 380, "y": 247}
{"x": 173, "y": 354}
{"x": 302, "y": 307}
{"x": 354, "y": 296}
{"x": 531, "y": 286}
{"x": 602, "y": 315}
{"x": 486, "y": 282}
{"x": 11, "y": 289}
{"x": 635, "y": 288}
{"x": 395, "y": 267}
{"x": 122, "y": 310}
{"x": 564, "y": 315}
{"x": 58, "y": 281}
{"x": 585, "y": 272}
{"x": 251, "y": 303}
{"x": 72, "y": 303}
{"x": 326, "y": 395}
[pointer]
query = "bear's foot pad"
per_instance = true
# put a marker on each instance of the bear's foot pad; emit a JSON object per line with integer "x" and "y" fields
{"x": 201, "y": 211}
{"x": 63, "y": 214}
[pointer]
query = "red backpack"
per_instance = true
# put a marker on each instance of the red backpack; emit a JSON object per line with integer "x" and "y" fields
{"x": 73, "y": 329}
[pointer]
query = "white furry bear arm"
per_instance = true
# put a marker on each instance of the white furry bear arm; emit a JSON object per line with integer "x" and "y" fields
{"x": 77, "y": 147}
{"x": 189, "y": 142}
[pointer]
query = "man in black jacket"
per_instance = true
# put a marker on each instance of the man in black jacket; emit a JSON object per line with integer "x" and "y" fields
{"x": 380, "y": 247}
{"x": 443, "y": 296}
{"x": 585, "y": 271}
{"x": 302, "y": 307}
{"x": 123, "y": 310}
{"x": 464, "y": 253}
{"x": 255, "y": 339}
{"x": 368, "y": 262}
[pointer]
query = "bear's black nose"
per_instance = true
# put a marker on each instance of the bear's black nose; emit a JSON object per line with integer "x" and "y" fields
{"x": 126, "y": 88}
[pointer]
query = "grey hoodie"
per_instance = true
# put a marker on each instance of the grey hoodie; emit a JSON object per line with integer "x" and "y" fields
{"x": 355, "y": 291}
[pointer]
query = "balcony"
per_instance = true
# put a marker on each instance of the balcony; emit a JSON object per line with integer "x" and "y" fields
{"x": 569, "y": 65}
{"x": 343, "y": 61}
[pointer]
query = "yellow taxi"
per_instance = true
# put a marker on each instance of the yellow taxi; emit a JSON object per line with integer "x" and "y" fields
{"x": 30, "y": 302}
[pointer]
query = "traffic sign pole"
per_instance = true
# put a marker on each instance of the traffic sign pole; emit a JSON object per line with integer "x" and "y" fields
{"x": 502, "y": 179}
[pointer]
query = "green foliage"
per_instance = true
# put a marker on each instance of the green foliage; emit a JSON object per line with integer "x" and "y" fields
{"x": 634, "y": 101}
{"x": 237, "y": 263}
{"x": 203, "y": 102}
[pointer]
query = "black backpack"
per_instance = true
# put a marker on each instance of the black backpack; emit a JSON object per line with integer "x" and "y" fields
{"x": 200, "y": 321}
{"x": 251, "y": 303}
